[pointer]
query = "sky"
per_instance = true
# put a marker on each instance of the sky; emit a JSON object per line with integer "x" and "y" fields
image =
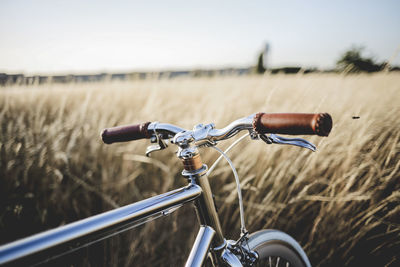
{"x": 43, "y": 36}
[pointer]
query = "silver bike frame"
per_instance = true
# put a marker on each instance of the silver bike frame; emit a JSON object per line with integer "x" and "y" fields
{"x": 120, "y": 219}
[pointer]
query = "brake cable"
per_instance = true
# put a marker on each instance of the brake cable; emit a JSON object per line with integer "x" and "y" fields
{"x": 226, "y": 151}
{"x": 223, "y": 155}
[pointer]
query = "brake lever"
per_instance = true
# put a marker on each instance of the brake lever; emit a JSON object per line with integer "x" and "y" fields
{"x": 161, "y": 144}
{"x": 276, "y": 139}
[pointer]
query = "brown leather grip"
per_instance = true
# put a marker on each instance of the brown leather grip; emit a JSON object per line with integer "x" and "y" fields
{"x": 293, "y": 123}
{"x": 125, "y": 133}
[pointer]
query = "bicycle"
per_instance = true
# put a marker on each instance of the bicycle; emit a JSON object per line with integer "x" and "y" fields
{"x": 210, "y": 246}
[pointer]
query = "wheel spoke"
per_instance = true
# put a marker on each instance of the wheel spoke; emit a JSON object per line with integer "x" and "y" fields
{"x": 277, "y": 262}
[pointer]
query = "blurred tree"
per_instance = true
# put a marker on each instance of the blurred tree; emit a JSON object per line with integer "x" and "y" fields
{"x": 260, "y": 64}
{"x": 352, "y": 61}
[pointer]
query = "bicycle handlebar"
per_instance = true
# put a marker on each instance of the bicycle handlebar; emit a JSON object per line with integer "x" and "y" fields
{"x": 280, "y": 123}
{"x": 293, "y": 123}
{"x": 125, "y": 133}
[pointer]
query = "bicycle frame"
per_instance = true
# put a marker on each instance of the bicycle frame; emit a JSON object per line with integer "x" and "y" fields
{"x": 127, "y": 217}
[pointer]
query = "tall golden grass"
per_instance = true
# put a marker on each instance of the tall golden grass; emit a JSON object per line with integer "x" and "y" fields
{"x": 341, "y": 203}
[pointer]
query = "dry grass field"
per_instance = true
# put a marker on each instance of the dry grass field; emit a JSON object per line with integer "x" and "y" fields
{"x": 342, "y": 203}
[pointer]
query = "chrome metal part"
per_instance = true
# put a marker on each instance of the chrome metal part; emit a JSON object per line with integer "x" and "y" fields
{"x": 207, "y": 135}
{"x": 230, "y": 259}
{"x": 238, "y": 252}
{"x": 221, "y": 247}
{"x": 167, "y": 130}
{"x": 253, "y": 134}
{"x": 276, "y": 139}
{"x": 189, "y": 174}
{"x": 100, "y": 223}
{"x": 200, "y": 247}
{"x": 201, "y": 130}
{"x": 183, "y": 139}
{"x": 161, "y": 144}
{"x": 232, "y": 129}
{"x": 187, "y": 152}
{"x": 199, "y": 135}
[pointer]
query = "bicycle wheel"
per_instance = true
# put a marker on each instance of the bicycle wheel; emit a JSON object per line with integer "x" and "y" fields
{"x": 275, "y": 248}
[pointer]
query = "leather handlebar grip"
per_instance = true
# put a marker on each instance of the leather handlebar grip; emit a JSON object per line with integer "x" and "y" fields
{"x": 125, "y": 133}
{"x": 293, "y": 123}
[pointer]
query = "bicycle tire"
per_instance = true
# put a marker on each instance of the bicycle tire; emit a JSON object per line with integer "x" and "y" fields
{"x": 275, "y": 248}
